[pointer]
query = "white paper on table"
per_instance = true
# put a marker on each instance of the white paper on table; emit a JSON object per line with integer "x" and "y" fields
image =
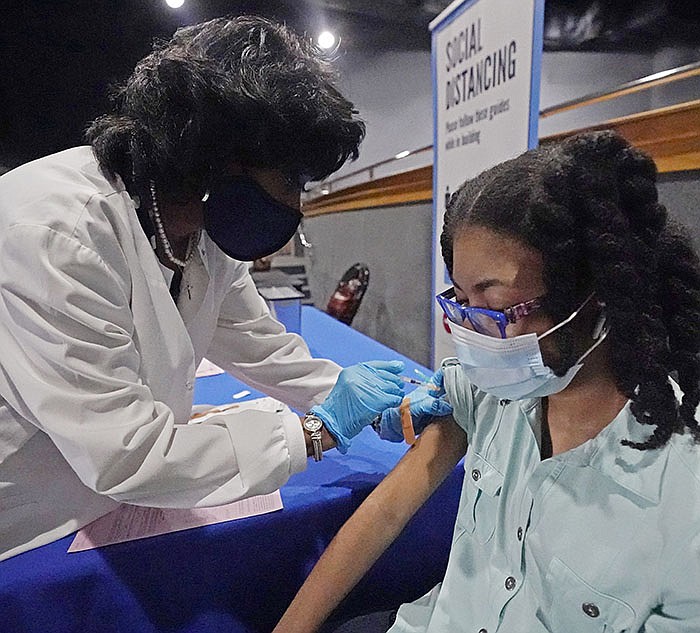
{"x": 207, "y": 368}
{"x": 128, "y": 523}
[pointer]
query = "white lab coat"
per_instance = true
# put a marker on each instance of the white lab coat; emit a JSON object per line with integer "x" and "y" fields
{"x": 97, "y": 363}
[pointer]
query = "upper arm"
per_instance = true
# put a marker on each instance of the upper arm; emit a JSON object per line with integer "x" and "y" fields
{"x": 250, "y": 344}
{"x": 65, "y": 325}
{"x": 70, "y": 366}
{"x": 420, "y": 471}
{"x": 390, "y": 505}
{"x": 242, "y": 303}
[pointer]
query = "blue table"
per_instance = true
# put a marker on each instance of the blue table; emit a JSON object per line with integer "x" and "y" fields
{"x": 238, "y": 576}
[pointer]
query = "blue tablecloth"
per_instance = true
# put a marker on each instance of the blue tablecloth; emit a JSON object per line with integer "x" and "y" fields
{"x": 238, "y": 576}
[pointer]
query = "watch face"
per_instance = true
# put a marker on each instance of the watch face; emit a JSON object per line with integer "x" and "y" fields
{"x": 312, "y": 424}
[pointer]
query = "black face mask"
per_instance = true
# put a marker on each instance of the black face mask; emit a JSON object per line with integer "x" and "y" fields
{"x": 245, "y": 221}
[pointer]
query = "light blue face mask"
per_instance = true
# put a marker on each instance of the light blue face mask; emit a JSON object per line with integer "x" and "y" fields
{"x": 512, "y": 368}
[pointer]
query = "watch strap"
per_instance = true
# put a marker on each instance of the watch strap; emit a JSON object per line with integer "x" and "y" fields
{"x": 316, "y": 438}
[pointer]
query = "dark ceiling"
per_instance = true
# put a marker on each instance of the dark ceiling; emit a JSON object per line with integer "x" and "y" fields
{"x": 60, "y": 56}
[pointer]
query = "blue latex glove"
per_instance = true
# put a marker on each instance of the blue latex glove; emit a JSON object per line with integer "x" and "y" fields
{"x": 427, "y": 402}
{"x": 361, "y": 393}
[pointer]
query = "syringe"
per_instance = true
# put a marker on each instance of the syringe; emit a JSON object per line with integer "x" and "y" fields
{"x": 412, "y": 381}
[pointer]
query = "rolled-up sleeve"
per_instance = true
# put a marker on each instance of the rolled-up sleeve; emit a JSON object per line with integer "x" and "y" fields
{"x": 70, "y": 366}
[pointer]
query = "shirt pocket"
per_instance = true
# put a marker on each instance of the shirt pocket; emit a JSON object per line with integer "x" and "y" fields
{"x": 577, "y": 606}
{"x": 479, "y": 513}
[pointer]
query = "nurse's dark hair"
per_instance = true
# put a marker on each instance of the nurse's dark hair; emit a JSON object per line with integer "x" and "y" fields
{"x": 241, "y": 88}
{"x": 589, "y": 204}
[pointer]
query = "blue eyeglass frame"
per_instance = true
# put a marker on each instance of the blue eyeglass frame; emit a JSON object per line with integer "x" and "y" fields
{"x": 511, "y": 314}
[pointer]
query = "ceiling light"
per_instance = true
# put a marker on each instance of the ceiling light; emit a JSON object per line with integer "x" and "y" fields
{"x": 174, "y": 4}
{"x": 326, "y": 40}
{"x": 402, "y": 154}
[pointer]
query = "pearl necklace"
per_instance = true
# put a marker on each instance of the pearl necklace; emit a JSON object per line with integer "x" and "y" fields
{"x": 160, "y": 231}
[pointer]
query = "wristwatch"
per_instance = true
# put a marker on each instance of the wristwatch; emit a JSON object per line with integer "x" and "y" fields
{"x": 312, "y": 425}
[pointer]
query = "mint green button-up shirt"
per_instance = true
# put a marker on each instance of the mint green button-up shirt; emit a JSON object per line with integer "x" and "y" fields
{"x": 600, "y": 538}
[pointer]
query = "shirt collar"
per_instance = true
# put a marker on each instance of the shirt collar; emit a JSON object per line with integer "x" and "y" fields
{"x": 640, "y": 472}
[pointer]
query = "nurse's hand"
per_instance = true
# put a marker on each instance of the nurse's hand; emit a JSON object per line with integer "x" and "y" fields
{"x": 427, "y": 402}
{"x": 361, "y": 393}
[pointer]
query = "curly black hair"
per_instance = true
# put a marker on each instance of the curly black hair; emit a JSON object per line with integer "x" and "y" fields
{"x": 237, "y": 88}
{"x": 589, "y": 204}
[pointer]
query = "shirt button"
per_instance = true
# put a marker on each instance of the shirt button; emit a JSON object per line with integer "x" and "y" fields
{"x": 476, "y": 474}
{"x": 188, "y": 384}
{"x": 590, "y": 609}
{"x": 510, "y": 583}
{"x": 520, "y": 534}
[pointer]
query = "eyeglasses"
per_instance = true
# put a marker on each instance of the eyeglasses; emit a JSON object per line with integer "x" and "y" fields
{"x": 482, "y": 320}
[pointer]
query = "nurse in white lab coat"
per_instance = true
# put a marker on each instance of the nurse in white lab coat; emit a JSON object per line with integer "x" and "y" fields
{"x": 116, "y": 279}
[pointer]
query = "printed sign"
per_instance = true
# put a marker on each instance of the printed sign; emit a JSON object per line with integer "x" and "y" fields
{"x": 486, "y": 76}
